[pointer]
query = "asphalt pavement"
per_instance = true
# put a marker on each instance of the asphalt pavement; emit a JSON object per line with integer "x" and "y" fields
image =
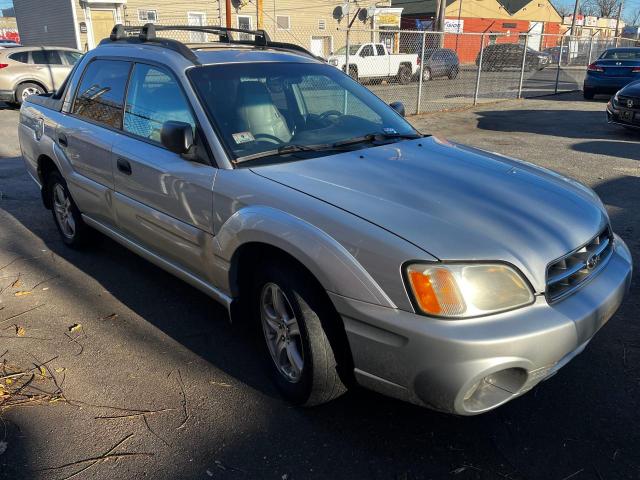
{"x": 145, "y": 378}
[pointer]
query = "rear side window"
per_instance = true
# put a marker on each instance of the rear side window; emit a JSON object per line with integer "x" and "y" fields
{"x": 380, "y": 49}
{"x": 100, "y": 96}
{"x": 46, "y": 57}
{"x": 22, "y": 57}
{"x": 154, "y": 97}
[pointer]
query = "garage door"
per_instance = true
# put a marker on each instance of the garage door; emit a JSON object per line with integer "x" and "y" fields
{"x": 102, "y": 22}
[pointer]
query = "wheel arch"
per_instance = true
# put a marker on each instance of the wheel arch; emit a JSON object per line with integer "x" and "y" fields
{"x": 46, "y": 165}
{"x": 28, "y": 80}
{"x": 330, "y": 263}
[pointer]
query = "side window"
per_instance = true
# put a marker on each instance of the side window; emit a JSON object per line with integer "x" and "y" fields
{"x": 71, "y": 57}
{"x": 22, "y": 57}
{"x": 154, "y": 97}
{"x": 100, "y": 96}
{"x": 380, "y": 49}
{"x": 46, "y": 57}
{"x": 367, "y": 51}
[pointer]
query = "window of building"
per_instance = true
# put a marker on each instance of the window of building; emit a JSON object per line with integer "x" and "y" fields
{"x": 100, "y": 96}
{"x": 244, "y": 22}
{"x": 147, "y": 15}
{"x": 153, "y": 98}
{"x": 322, "y": 24}
{"x": 283, "y": 22}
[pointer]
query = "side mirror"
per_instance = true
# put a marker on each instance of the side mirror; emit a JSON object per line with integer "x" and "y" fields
{"x": 398, "y": 107}
{"x": 177, "y": 137}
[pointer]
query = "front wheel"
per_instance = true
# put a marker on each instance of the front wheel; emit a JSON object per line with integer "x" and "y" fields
{"x": 426, "y": 75}
{"x": 292, "y": 313}
{"x": 404, "y": 75}
{"x": 453, "y": 73}
{"x": 67, "y": 217}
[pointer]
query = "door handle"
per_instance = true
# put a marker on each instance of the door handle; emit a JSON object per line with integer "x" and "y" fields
{"x": 62, "y": 140}
{"x": 124, "y": 166}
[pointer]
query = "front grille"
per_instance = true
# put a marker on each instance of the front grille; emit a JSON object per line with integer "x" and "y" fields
{"x": 624, "y": 102}
{"x": 566, "y": 274}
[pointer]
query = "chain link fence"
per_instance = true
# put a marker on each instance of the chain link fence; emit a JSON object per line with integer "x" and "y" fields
{"x": 434, "y": 71}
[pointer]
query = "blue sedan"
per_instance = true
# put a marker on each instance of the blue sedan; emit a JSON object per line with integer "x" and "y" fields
{"x": 614, "y": 69}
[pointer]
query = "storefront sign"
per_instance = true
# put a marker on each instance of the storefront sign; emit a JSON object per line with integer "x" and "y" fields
{"x": 388, "y": 19}
{"x": 454, "y": 26}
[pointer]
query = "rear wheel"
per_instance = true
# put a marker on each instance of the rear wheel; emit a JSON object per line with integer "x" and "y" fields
{"x": 24, "y": 90}
{"x": 453, "y": 73}
{"x": 292, "y": 313}
{"x": 404, "y": 75}
{"x": 67, "y": 217}
{"x": 588, "y": 94}
{"x": 426, "y": 75}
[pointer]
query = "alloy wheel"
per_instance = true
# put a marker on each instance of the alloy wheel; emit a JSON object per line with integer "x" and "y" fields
{"x": 30, "y": 91}
{"x": 62, "y": 210}
{"x": 282, "y": 332}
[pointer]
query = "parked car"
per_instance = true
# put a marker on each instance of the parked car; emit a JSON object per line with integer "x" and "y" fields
{"x": 440, "y": 62}
{"x": 614, "y": 69}
{"x": 374, "y": 61}
{"x": 5, "y": 43}
{"x": 28, "y": 71}
{"x": 362, "y": 250}
{"x": 568, "y": 57}
{"x": 624, "y": 108}
{"x": 503, "y": 56}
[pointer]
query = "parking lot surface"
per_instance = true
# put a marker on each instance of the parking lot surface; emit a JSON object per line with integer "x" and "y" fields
{"x": 144, "y": 376}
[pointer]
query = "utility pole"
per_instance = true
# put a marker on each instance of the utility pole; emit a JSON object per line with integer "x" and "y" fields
{"x": 620, "y": 7}
{"x": 442, "y": 6}
{"x": 575, "y": 16}
{"x": 260, "y": 14}
{"x": 227, "y": 11}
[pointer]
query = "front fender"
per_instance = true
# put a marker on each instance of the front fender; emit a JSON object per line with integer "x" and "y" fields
{"x": 336, "y": 269}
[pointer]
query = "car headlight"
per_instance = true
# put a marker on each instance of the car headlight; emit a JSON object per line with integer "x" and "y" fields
{"x": 467, "y": 290}
{"x": 616, "y": 98}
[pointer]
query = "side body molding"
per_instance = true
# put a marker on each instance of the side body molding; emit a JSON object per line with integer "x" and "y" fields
{"x": 336, "y": 269}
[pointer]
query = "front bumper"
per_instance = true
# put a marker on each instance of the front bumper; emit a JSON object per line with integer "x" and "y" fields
{"x": 471, "y": 366}
{"x": 613, "y": 117}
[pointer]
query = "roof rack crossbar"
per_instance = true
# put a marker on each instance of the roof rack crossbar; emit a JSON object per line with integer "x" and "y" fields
{"x": 147, "y": 33}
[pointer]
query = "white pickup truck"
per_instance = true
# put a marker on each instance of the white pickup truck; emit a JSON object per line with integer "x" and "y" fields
{"x": 373, "y": 60}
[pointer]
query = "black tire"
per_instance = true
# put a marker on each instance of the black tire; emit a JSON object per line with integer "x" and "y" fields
{"x": 588, "y": 94}
{"x": 28, "y": 87}
{"x": 319, "y": 381}
{"x": 79, "y": 234}
{"x": 453, "y": 73}
{"x": 353, "y": 72}
{"x": 426, "y": 75}
{"x": 404, "y": 75}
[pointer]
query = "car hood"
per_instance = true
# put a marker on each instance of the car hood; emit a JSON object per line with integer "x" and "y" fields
{"x": 455, "y": 202}
{"x": 631, "y": 90}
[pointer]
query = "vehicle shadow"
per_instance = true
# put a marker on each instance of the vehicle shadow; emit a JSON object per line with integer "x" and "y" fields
{"x": 576, "y": 422}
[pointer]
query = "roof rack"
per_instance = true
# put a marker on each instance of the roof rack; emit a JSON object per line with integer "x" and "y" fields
{"x": 147, "y": 34}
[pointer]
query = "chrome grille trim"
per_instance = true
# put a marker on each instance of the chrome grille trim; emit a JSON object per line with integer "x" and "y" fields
{"x": 566, "y": 274}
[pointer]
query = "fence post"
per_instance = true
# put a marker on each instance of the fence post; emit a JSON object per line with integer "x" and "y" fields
{"x": 590, "y": 50}
{"x": 475, "y": 94}
{"x": 524, "y": 64}
{"x": 560, "y": 60}
{"x": 424, "y": 44}
{"x": 346, "y": 64}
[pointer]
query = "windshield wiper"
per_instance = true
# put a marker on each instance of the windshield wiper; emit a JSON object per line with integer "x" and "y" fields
{"x": 325, "y": 147}
{"x": 376, "y": 137}
{"x": 287, "y": 149}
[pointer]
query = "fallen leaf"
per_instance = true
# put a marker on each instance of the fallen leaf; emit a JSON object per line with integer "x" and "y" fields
{"x": 22, "y": 293}
{"x": 8, "y": 381}
{"x": 60, "y": 369}
{"x": 43, "y": 371}
{"x": 45, "y": 288}
{"x": 76, "y": 327}
{"x": 3, "y": 447}
{"x": 20, "y": 331}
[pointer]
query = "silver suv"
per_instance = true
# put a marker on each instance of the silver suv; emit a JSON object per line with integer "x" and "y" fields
{"x": 363, "y": 251}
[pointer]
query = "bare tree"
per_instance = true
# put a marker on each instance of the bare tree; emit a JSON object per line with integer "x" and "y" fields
{"x": 564, "y": 7}
{"x": 600, "y": 8}
{"x": 633, "y": 18}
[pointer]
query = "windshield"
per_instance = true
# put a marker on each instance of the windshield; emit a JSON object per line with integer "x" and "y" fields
{"x": 353, "y": 49}
{"x": 261, "y": 107}
{"x": 622, "y": 54}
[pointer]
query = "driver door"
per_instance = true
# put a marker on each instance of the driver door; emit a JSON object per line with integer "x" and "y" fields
{"x": 367, "y": 66}
{"x": 163, "y": 201}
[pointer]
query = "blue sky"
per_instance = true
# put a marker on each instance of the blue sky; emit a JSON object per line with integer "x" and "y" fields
{"x": 5, "y": 3}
